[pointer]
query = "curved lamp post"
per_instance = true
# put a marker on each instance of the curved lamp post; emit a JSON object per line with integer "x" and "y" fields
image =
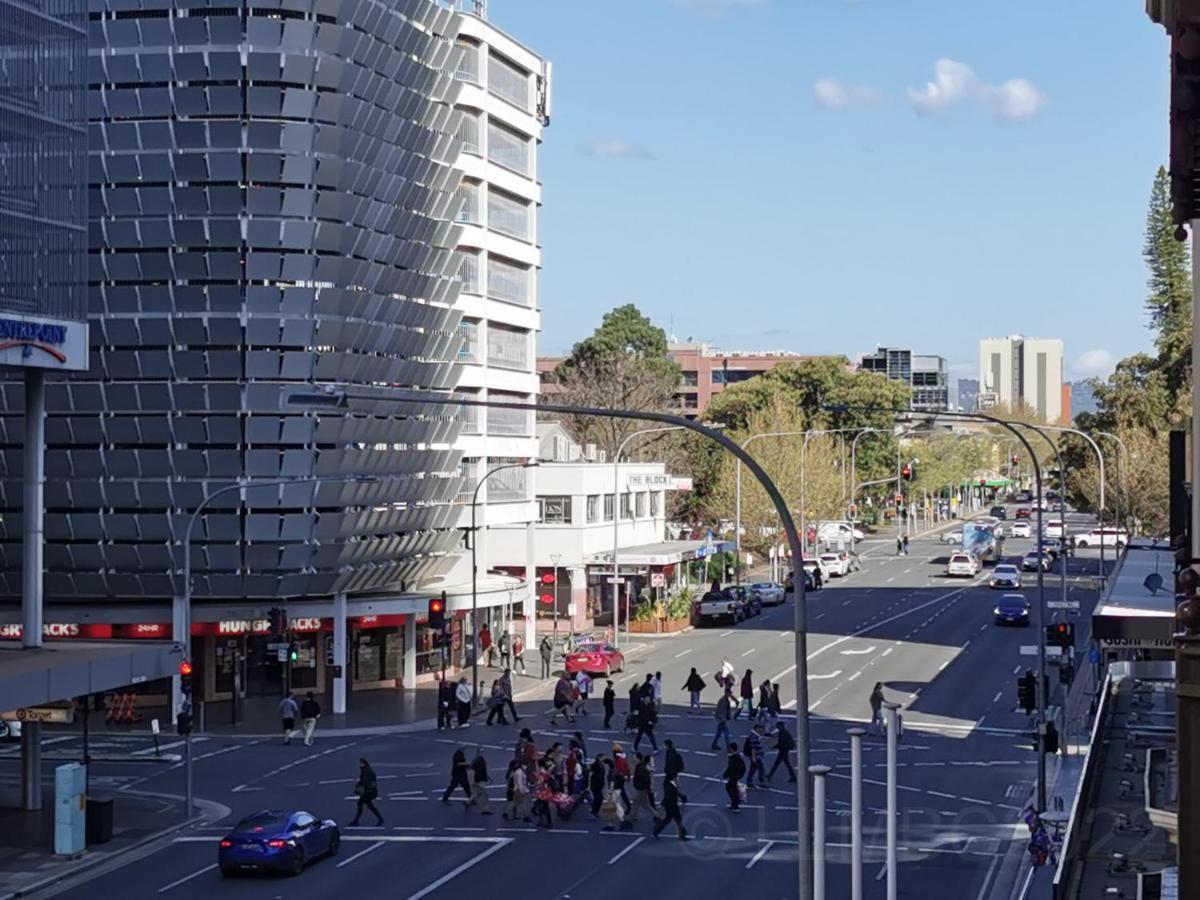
{"x": 1100, "y": 458}
{"x": 1122, "y": 459}
{"x": 737, "y": 503}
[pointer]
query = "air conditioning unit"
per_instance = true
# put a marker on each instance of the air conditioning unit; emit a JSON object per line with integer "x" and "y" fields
{"x": 590, "y": 452}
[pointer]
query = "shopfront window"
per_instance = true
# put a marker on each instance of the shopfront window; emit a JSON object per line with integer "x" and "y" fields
{"x": 378, "y": 654}
{"x": 641, "y": 504}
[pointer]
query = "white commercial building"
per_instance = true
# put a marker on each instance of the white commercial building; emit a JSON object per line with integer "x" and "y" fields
{"x": 1016, "y": 371}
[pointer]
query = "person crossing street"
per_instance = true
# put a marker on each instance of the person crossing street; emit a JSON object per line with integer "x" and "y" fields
{"x": 694, "y": 685}
{"x": 722, "y": 714}
{"x": 458, "y": 776}
{"x": 735, "y": 770}
{"x": 647, "y": 716}
{"x": 610, "y": 704}
{"x": 672, "y": 799}
{"x": 784, "y": 745}
{"x": 366, "y": 789}
{"x": 288, "y": 710}
{"x": 479, "y": 783}
{"x": 310, "y": 711}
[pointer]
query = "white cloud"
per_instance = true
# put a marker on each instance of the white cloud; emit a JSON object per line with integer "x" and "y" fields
{"x": 615, "y": 148}
{"x": 954, "y": 83}
{"x": 716, "y": 6}
{"x": 1094, "y": 364}
{"x": 833, "y": 94}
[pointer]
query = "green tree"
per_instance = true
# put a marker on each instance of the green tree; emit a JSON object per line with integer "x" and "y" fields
{"x": 1169, "y": 283}
{"x": 622, "y": 365}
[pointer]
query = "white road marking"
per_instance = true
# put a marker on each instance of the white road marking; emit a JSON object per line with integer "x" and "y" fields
{"x": 185, "y": 878}
{"x": 725, "y": 634}
{"x": 626, "y": 849}
{"x": 1017, "y": 670}
{"x": 360, "y": 853}
{"x": 861, "y": 652}
{"x": 886, "y": 652}
{"x": 684, "y": 653}
{"x": 999, "y": 694}
{"x": 748, "y": 652}
{"x": 760, "y": 854}
{"x": 943, "y": 665}
{"x": 855, "y": 675}
{"x": 834, "y": 674}
{"x": 987, "y": 878}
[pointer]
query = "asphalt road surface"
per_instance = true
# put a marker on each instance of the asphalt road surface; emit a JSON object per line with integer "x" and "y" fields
{"x": 966, "y": 767}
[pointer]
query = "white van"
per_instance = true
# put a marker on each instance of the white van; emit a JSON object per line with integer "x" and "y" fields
{"x": 832, "y": 532}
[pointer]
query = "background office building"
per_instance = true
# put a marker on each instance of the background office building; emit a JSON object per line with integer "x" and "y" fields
{"x": 1018, "y": 371}
{"x": 273, "y": 207}
{"x": 927, "y": 376}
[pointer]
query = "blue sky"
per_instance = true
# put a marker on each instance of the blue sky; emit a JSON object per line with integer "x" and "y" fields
{"x": 824, "y": 175}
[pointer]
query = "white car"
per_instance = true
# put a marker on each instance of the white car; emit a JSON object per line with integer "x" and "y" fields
{"x": 1054, "y": 528}
{"x": 835, "y": 563}
{"x": 812, "y": 564}
{"x": 1106, "y": 537}
{"x": 769, "y": 593}
{"x": 10, "y": 729}
{"x": 1005, "y": 576}
{"x": 962, "y": 564}
{"x": 1020, "y": 528}
{"x": 832, "y": 532}
{"x": 952, "y": 537}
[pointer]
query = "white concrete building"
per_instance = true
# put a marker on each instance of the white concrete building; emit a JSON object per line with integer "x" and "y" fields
{"x": 1017, "y": 370}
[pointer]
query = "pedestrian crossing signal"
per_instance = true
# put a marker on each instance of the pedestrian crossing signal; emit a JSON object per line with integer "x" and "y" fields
{"x": 437, "y": 613}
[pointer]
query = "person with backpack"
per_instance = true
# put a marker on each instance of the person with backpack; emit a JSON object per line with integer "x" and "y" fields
{"x": 755, "y": 755}
{"x": 784, "y": 745}
{"x": 672, "y": 799}
{"x": 694, "y": 685}
{"x": 643, "y": 783}
{"x": 366, "y": 789}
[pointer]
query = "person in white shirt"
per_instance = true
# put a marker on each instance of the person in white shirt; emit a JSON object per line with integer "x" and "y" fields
{"x": 656, "y": 683}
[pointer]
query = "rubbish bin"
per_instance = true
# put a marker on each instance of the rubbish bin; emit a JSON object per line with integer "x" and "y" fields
{"x": 99, "y": 827}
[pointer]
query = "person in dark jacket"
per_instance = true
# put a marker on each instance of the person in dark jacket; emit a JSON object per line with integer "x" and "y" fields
{"x": 635, "y": 699}
{"x": 366, "y": 789}
{"x": 673, "y": 761}
{"x": 645, "y": 724}
{"x": 694, "y": 685}
{"x": 458, "y": 775}
{"x": 546, "y": 651}
{"x": 672, "y": 798}
{"x": 746, "y": 692}
{"x": 784, "y": 745}
{"x": 445, "y": 702}
{"x": 596, "y": 778}
{"x": 479, "y": 778}
{"x": 776, "y": 706}
{"x": 735, "y": 770}
{"x": 643, "y": 790}
{"x": 610, "y": 704}
{"x": 764, "y": 695}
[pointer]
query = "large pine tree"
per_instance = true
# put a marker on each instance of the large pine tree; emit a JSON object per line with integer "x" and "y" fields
{"x": 1170, "y": 288}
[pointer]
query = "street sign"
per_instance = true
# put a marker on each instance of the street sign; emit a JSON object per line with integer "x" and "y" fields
{"x": 611, "y": 580}
{"x": 658, "y": 579}
{"x": 1062, "y": 604}
{"x": 57, "y": 714}
{"x": 1093, "y": 655}
{"x": 1032, "y": 650}
{"x": 277, "y": 645}
{"x": 282, "y": 654}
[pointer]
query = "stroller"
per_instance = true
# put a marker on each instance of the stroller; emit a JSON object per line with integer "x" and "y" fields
{"x": 566, "y": 804}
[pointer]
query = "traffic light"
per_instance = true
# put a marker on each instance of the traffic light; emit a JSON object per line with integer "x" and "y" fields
{"x": 906, "y": 473}
{"x": 1060, "y": 634}
{"x": 185, "y": 676}
{"x": 1014, "y": 459}
{"x": 1026, "y": 687}
{"x": 293, "y": 653}
{"x": 183, "y": 723}
{"x": 437, "y": 613}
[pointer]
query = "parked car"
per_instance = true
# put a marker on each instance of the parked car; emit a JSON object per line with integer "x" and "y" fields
{"x": 998, "y": 512}
{"x": 812, "y": 563}
{"x": 962, "y": 564}
{"x": 10, "y": 730}
{"x": 1030, "y": 561}
{"x": 1020, "y": 529}
{"x": 1108, "y": 537}
{"x": 1054, "y": 528}
{"x": 1011, "y": 609}
{"x": 832, "y": 532}
{"x": 836, "y": 563}
{"x": 595, "y": 658}
{"x": 278, "y": 840}
{"x": 721, "y": 607}
{"x": 768, "y": 592}
{"x": 1054, "y": 546}
{"x": 952, "y": 537}
{"x": 1005, "y": 575}
{"x": 1023, "y": 512}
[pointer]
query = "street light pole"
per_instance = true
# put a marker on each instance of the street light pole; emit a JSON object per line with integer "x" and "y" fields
{"x": 475, "y": 574}
{"x": 1122, "y": 459}
{"x": 554, "y": 559}
{"x": 1100, "y": 517}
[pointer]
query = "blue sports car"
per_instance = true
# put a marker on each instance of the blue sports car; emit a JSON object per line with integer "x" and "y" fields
{"x": 274, "y": 839}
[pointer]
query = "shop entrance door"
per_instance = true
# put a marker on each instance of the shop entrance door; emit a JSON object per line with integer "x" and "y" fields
{"x": 264, "y": 671}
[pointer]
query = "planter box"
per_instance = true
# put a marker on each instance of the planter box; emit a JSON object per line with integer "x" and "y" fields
{"x": 659, "y": 626}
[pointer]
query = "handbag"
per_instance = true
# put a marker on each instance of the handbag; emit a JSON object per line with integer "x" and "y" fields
{"x": 359, "y": 790}
{"x": 742, "y": 793}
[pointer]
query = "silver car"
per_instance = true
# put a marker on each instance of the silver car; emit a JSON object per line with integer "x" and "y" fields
{"x": 769, "y": 593}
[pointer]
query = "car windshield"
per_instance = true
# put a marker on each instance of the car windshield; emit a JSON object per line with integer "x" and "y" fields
{"x": 1009, "y": 601}
{"x": 829, "y": 556}
{"x": 589, "y": 648}
{"x": 761, "y": 586}
{"x": 960, "y": 558}
{"x": 1006, "y": 570}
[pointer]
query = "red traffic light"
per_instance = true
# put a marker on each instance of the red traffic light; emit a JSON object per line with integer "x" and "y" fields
{"x": 185, "y": 668}
{"x": 436, "y": 606}
{"x": 548, "y": 578}
{"x": 1062, "y": 627}
{"x": 547, "y": 599}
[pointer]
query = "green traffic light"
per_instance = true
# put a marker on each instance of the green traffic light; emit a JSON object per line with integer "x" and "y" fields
{"x": 294, "y": 656}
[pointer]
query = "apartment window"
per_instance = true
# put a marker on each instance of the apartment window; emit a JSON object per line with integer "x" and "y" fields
{"x": 640, "y": 503}
{"x": 686, "y": 401}
{"x": 554, "y": 510}
{"x": 689, "y": 379}
{"x": 508, "y": 214}
{"x": 508, "y": 347}
{"x": 466, "y": 203}
{"x": 468, "y": 132}
{"x": 627, "y": 505}
{"x": 469, "y": 351}
{"x": 593, "y": 508}
{"x": 509, "y": 421}
{"x": 655, "y": 503}
{"x": 508, "y": 281}
{"x": 507, "y": 484}
{"x": 468, "y": 272}
{"x": 468, "y": 65}
{"x": 508, "y": 81}
{"x": 508, "y": 148}
{"x": 732, "y": 376}
{"x": 608, "y": 507}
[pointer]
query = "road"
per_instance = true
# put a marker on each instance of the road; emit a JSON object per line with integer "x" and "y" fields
{"x": 966, "y": 768}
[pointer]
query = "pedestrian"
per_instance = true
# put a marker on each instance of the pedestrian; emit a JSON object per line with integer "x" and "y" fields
{"x": 876, "y": 702}
{"x": 525, "y": 748}
{"x": 635, "y": 700}
{"x": 817, "y": 577}
{"x": 518, "y": 652}
{"x": 517, "y": 793}
{"x": 899, "y": 547}
{"x": 564, "y": 698}
{"x": 726, "y": 671}
{"x": 784, "y": 745}
{"x": 445, "y": 702}
{"x": 479, "y": 783}
{"x": 583, "y": 681}
{"x": 507, "y": 687}
{"x": 458, "y": 776}
{"x": 656, "y": 684}
{"x": 906, "y": 545}
{"x": 721, "y": 714}
{"x": 672, "y": 760}
{"x": 757, "y": 749}
{"x": 764, "y": 696}
{"x": 642, "y": 796}
{"x": 746, "y": 692}
{"x": 462, "y": 698}
{"x": 647, "y": 690}
{"x": 735, "y": 769}
{"x": 621, "y": 774}
{"x": 776, "y": 706}
{"x": 610, "y": 704}
{"x": 543, "y": 795}
{"x": 596, "y": 781}
{"x": 485, "y": 645}
{"x": 546, "y": 650}
{"x": 694, "y": 685}
{"x": 310, "y": 711}
{"x": 672, "y": 798}
{"x": 366, "y": 789}
{"x": 288, "y": 710}
{"x": 496, "y": 704}
{"x": 503, "y": 644}
{"x": 578, "y": 737}
{"x": 647, "y": 717}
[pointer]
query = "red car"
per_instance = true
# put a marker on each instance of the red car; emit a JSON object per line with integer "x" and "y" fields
{"x": 596, "y": 658}
{"x": 1024, "y": 512}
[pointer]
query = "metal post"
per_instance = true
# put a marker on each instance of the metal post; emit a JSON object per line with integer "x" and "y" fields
{"x": 856, "y": 823}
{"x": 818, "y": 774}
{"x": 187, "y": 749}
{"x": 34, "y": 507}
{"x": 737, "y": 523}
{"x": 554, "y": 559}
{"x": 893, "y": 725}
{"x": 340, "y": 642}
{"x": 31, "y": 765}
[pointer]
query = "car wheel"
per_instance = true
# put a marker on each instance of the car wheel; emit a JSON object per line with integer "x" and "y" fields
{"x": 298, "y": 862}
{"x": 1081, "y": 543}
{"x": 335, "y": 844}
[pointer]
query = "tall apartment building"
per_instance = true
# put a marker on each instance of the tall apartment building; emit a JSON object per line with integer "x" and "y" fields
{"x": 1020, "y": 371}
{"x": 272, "y": 208}
{"x": 504, "y": 102}
{"x": 927, "y": 376}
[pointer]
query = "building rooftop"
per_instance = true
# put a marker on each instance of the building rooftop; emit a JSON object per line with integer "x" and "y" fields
{"x": 1128, "y": 609}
